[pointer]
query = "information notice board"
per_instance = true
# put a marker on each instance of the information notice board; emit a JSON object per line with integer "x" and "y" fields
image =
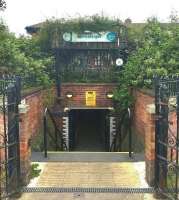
{"x": 90, "y": 98}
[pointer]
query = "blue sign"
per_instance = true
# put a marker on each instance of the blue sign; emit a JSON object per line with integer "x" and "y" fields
{"x": 111, "y": 36}
{"x": 88, "y": 36}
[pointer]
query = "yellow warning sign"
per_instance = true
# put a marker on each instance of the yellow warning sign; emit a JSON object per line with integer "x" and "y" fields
{"x": 90, "y": 98}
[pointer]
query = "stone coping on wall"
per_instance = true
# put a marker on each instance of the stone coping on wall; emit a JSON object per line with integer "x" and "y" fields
{"x": 87, "y": 108}
{"x": 146, "y": 91}
{"x": 31, "y": 91}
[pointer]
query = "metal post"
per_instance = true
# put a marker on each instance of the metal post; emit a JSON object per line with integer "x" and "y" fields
{"x": 156, "y": 132}
{"x": 13, "y": 137}
{"x": 18, "y": 90}
{"x": 45, "y": 135}
{"x": 61, "y": 143}
{"x": 56, "y": 139}
{"x": 5, "y": 141}
{"x": 161, "y": 136}
{"x": 57, "y": 71}
{"x": 130, "y": 134}
{"x": 18, "y": 86}
{"x": 177, "y": 139}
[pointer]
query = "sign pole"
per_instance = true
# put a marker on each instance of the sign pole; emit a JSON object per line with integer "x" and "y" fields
{"x": 57, "y": 69}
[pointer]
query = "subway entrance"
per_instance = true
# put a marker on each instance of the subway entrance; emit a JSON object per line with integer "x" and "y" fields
{"x": 89, "y": 130}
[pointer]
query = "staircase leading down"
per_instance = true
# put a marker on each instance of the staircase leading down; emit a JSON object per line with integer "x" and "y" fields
{"x": 85, "y": 157}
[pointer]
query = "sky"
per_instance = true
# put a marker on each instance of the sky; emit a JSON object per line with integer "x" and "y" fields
{"x": 22, "y": 13}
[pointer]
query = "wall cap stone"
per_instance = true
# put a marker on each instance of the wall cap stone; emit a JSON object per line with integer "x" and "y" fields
{"x": 31, "y": 91}
{"x": 87, "y": 108}
{"x": 148, "y": 92}
{"x": 151, "y": 108}
{"x": 23, "y": 107}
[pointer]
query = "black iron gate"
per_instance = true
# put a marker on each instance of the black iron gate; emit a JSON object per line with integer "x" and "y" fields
{"x": 167, "y": 137}
{"x": 9, "y": 136}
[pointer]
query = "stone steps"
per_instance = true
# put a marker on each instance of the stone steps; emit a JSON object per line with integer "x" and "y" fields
{"x": 85, "y": 157}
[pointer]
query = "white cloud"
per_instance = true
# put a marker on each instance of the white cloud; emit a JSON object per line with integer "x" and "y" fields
{"x": 21, "y": 13}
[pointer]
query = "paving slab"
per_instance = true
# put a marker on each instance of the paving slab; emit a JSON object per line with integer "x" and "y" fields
{"x": 89, "y": 170}
{"x": 87, "y": 174}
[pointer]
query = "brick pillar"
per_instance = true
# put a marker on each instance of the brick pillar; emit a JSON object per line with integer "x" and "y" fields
{"x": 24, "y": 149}
{"x": 150, "y": 144}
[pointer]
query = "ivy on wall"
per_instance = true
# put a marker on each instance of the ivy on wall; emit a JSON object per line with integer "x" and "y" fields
{"x": 74, "y": 62}
{"x": 54, "y": 28}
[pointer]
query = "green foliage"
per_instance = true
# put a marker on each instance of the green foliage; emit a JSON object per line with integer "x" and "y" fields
{"x": 154, "y": 50}
{"x": 23, "y": 56}
{"x": 85, "y": 75}
{"x": 35, "y": 172}
{"x": 157, "y": 53}
{"x": 54, "y": 28}
{"x": 8, "y": 50}
{"x": 51, "y": 37}
{"x": 33, "y": 58}
{"x": 36, "y": 66}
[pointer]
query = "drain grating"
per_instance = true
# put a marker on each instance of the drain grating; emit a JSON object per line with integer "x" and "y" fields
{"x": 86, "y": 190}
{"x": 78, "y": 195}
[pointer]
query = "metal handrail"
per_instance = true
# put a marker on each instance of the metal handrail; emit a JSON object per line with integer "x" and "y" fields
{"x": 117, "y": 147}
{"x": 62, "y": 145}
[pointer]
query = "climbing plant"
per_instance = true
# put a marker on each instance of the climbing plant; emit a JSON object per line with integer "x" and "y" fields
{"x": 76, "y": 65}
{"x": 96, "y": 23}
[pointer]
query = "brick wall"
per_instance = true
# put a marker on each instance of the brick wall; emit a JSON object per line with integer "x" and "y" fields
{"x": 78, "y": 90}
{"x": 172, "y": 133}
{"x": 140, "y": 114}
{"x": 30, "y": 125}
{"x": 143, "y": 121}
{"x": 144, "y": 127}
{"x": 173, "y": 124}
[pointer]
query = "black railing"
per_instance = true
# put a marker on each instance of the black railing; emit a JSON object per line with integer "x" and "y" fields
{"x": 52, "y": 134}
{"x": 90, "y": 74}
{"x": 167, "y": 137}
{"x": 10, "y": 174}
